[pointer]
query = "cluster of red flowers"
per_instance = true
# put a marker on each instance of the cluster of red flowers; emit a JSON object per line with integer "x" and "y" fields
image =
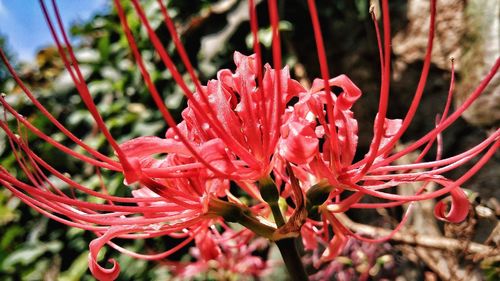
{"x": 242, "y": 128}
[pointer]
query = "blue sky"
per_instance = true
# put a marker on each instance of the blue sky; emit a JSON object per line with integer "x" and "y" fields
{"x": 23, "y": 23}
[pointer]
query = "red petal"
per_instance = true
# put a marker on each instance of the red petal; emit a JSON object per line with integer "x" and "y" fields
{"x": 209, "y": 250}
{"x": 147, "y": 146}
{"x": 350, "y": 92}
{"x": 339, "y": 240}
{"x": 391, "y": 127}
{"x": 300, "y": 144}
{"x": 335, "y": 247}
{"x": 309, "y": 238}
{"x": 214, "y": 152}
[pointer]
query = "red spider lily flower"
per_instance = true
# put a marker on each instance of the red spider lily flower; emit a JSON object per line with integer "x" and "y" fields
{"x": 241, "y": 120}
{"x": 332, "y": 167}
{"x": 241, "y": 111}
{"x": 238, "y": 129}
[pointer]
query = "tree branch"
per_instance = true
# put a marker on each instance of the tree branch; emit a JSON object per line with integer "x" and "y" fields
{"x": 408, "y": 237}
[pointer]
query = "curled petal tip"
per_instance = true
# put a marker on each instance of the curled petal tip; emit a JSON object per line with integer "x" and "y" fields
{"x": 99, "y": 272}
{"x": 459, "y": 208}
{"x": 103, "y": 274}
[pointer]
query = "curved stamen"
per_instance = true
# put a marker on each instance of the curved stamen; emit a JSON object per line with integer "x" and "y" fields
{"x": 277, "y": 109}
{"x": 154, "y": 92}
{"x": 384, "y": 95}
{"x": 113, "y": 164}
{"x": 84, "y": 92}
{"x": 445, "y": 123}
{"x": 326, "y": 76}
{"x": 419, "y": 91}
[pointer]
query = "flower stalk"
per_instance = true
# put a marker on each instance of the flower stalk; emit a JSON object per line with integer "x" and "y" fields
{"x": 270, "y": 194}
{"x": 291, "y": 257}
{"x": 232, "y": 212}
{"x": 287, "y": 246}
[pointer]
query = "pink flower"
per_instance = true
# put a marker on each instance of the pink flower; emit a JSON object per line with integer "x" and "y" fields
{"x": 235, "y": 255}
{"x": 244, "y": 128}
{"x": 240, "y": 136}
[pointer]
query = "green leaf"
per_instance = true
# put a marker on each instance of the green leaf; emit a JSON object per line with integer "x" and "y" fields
{"x": 7, "y": 215}
{"x": 265, "y": 35}
{"x": 29, "y": 254}
{"x": 10, "y": 234}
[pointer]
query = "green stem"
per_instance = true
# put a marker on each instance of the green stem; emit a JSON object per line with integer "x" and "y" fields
{"x": 234, "y": 213}
{"x": 270, "y": 194}
{"x": 278, "y": 217}
{"x": 242, "y": 215}
{"x": 292, "y": 259}
{"x": 256, "y": 226}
